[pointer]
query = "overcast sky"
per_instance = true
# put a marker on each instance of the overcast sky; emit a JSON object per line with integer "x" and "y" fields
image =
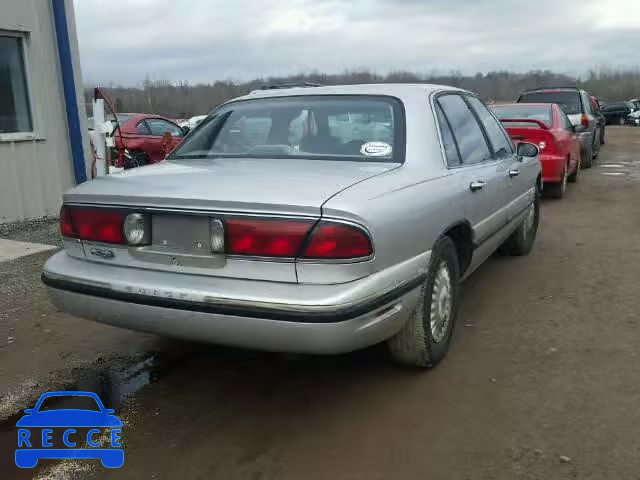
{"x": 207, "y": 40}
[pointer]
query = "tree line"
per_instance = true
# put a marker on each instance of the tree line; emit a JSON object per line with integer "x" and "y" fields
{"x": 183, "y": 100}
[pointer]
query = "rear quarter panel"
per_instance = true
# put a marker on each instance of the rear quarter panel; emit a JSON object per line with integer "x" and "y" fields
{"x": 408, "y": 208}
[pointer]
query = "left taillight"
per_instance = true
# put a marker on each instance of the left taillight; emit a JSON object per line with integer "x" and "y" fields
{"x": 104, "y": 225}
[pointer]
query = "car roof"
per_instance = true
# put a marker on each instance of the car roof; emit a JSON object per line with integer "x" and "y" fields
{"x": 387, "y": 89}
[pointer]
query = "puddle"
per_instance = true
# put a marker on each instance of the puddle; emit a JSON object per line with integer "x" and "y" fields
{"x": 113, "y": 385}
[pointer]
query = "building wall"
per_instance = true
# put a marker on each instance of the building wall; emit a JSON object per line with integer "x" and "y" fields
{"x": 34, "y": 172}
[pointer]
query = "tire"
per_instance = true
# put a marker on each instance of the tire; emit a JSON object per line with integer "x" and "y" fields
{"x": 586, "y": 158}
{"x": 420, "y": 343}
{"x": 557, "y": 190}
{"x": 595, "y": 149}
{"x": 521, "y": 241}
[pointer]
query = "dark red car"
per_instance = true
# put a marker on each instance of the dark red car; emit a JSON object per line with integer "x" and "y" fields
{"x": 546, "y": 125}
{"x": 143, "y": 139}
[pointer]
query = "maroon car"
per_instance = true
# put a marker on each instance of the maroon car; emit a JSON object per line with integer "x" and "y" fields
{"x": 142, "y": 139}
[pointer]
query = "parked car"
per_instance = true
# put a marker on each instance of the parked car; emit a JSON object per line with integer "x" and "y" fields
{"x": 602, "y": 121}
{"x": 576, "y": 103}
{"x": 272, "y": 226}
{"x": 140, "y": 138}
{"x": 633, "y": 119}
{"x": 616, "y": 113}
{"x": 193, "y": 122}
{"x": 549, "y": 128}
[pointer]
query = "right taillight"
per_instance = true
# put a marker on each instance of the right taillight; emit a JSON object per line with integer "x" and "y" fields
{"x": 331, "y": 240}
{"x": 265, "y": 237}
{"x": 296, "y": 238}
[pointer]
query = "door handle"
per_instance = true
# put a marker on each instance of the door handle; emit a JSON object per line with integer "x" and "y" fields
{"x": 477, "y": 185}
{"x": 514, "y": 172}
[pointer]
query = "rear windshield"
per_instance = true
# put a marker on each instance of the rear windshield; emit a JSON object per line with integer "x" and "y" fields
{"x": 569, "y": 101}
{"x": 352, "y": 128}
{"x": 533, "y": 112}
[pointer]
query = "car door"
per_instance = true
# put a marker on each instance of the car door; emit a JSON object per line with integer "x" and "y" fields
{"x": 570, "y": 144}
{"x": 158, "y": 128}
{"x": 477, "y": 175}
{"x": 517, "y": 174}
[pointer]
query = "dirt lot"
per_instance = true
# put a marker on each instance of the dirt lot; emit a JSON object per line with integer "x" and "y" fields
{"x": 544, "y": 365}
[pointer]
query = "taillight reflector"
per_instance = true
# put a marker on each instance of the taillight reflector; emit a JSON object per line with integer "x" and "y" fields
{"x": 337, "y": 241}
{"x": 266, "y": 238}
{"x": 94, "y": 224}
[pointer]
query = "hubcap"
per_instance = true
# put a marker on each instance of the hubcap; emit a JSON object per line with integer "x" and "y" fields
{"x": 441, "y": 303}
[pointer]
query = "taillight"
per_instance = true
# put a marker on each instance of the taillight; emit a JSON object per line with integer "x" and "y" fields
{"x": 286, "y": 238}
{"x": 337, "y": 241}
{"x": 66, "y": 228}
{"x": 94, "y": 224}
{"x": 584, "y": 120}
{"x": 266, "y": 238}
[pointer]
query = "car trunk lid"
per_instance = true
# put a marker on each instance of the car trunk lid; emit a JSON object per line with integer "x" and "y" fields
{"x": 185, "y": 198}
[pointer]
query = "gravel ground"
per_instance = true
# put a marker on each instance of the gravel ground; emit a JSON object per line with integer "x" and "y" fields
{"x": 38, "y": 230}
{"x": 541, "y": 381}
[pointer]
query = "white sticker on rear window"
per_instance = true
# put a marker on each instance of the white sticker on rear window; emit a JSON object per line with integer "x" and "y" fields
{"x": 375, "y": 149}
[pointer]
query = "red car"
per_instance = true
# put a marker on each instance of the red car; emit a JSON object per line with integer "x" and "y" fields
{"x": 546, "y": 125}
{"x": 143, "y": 139}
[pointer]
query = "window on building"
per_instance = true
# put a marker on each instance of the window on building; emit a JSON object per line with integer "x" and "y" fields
{"x": 15, "y": 113}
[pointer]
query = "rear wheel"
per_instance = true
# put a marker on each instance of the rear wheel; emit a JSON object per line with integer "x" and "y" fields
{"x": 586, "y": 157}
{"x": 521, "y": 241}
{"x": 557, "y": 190}
{"x": 425, "y": 337}
{"x": 573, "y": 177}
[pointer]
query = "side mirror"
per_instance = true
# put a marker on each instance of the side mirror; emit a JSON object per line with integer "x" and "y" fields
{"x": 528, "y": 150}
{"x": 28, "y": 411}
{"x": 185, "y": 130}
{"x": 109, "y": 411}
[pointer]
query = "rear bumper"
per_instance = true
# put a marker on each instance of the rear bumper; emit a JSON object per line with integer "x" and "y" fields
{"x": 321, "y": 319}
{"x": 552, "y": 168}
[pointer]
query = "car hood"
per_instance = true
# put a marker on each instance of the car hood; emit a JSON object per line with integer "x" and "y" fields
{"x": 269, "y": 185}
{"x": 69, "y": 418}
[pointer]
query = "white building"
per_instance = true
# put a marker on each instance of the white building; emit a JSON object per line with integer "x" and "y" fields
{"x": 44, "y": 147}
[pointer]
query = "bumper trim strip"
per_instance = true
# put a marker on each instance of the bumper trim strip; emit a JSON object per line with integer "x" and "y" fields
{"x": 339, "y": 314}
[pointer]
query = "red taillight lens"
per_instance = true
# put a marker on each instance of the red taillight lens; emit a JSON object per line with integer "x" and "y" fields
{"x": 266, "y": 238}
{"x": 338, "y": 241}
{"x": 584, "y": 120}
{"x": 66, "y": 229}
{"x": 94, "y": 224}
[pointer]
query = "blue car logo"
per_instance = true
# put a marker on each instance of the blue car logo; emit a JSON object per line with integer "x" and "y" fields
{"x": 52, "y": 430}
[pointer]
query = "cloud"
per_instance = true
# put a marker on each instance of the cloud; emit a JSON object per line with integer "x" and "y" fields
{"x": 208, "y": 40}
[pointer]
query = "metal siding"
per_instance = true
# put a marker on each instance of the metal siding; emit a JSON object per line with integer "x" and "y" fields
{"x": 35, "y": 173}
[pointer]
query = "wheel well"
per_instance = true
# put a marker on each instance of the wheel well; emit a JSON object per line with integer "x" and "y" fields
{"x": 461, "y": 236}
{"x": 539, "y": 183}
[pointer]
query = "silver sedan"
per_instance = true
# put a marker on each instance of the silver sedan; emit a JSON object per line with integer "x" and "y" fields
{"x": 313, "y": 219}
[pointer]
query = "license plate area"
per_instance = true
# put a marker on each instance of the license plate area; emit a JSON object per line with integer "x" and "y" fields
{"x": 181, "y": 234}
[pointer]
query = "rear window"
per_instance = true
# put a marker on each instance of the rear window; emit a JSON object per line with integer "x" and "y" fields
{"x": 350, "y": 127}
{"x": 519, "y": 112}
{"x": 569, "y": 101}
